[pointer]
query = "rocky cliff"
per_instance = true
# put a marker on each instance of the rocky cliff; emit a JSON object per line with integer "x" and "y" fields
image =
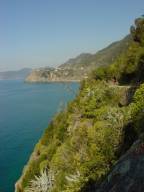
{"x": 52, "y": 75}
{"x": 128, "y": 174}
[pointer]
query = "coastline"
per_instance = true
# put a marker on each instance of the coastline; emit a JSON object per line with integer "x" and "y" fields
{"x": 52, "y": 81}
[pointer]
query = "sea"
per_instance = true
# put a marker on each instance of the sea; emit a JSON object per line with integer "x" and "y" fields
{"x": 25, "y": 112}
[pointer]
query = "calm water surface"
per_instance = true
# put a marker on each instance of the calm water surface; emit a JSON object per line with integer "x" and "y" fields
{"x": 25, "y": 111}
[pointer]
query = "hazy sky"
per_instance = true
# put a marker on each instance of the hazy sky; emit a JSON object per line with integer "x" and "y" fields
{"x": 36, "y": 33}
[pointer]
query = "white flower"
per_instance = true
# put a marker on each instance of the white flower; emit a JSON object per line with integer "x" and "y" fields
{"x": 42, "y": 183}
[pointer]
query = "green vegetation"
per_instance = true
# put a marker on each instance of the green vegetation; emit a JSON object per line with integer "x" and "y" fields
{"x": 84, "y": 141}
{"x": 103, "y": 57}
{"x": 128, "y": 67}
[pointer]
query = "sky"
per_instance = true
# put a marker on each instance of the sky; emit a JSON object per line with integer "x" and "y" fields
{"x": 38, "y": 33}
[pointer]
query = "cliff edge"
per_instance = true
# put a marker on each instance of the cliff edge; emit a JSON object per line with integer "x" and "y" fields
{"x": 96, "y": 144}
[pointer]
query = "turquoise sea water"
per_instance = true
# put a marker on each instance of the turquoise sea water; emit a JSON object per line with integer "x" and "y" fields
{"x": 25, "y": 111}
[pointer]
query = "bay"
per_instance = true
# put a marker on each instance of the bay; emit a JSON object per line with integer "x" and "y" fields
{"x": 25, "y": 112}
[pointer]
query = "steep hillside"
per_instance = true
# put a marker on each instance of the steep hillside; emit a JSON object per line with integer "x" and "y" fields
{"x": 86, "y": 142}
{"x": 78, "y": 68}
{"x": 104, "y": 57}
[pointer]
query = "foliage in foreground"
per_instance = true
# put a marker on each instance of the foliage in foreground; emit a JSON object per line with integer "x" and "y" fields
{"x": 83, "y": 142}
{"x": 42, "y": 183}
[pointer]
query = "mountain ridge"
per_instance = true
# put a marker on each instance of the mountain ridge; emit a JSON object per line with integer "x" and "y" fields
{"x": 78, "y": 68}
{"x": 15, "y": 74}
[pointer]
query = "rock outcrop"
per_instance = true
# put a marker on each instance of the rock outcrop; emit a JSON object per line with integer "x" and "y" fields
{"x": 128, "y": 174}
{"x": 52, "y": 75}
